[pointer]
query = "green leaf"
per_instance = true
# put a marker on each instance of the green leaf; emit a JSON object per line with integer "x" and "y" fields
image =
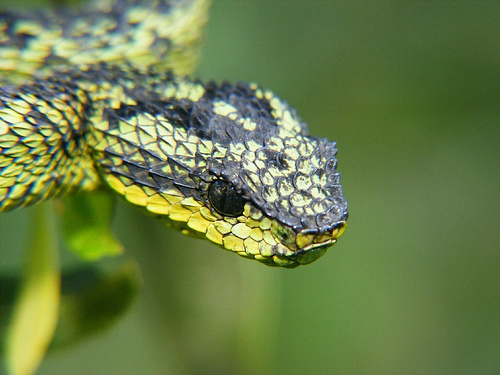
{"x": 86, "y": 224}
{"x": 36, "y": 310}
{"x": 94, "y": 297}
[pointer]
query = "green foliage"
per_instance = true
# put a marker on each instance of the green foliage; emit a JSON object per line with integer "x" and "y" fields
{"x": 94, "y": 297}
{"x": 93, "y": 294}
{"x": 36, "y": 309}
{"x": 86, "y": 225}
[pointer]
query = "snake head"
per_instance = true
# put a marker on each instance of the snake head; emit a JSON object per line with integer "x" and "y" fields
{"x": 232, "y": 163}
{"x": 279, "y": 186}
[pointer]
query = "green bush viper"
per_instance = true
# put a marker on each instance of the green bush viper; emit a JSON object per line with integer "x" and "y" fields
{"x": 98, "y": 96}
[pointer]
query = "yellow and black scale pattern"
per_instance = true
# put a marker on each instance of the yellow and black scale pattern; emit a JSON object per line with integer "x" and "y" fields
{"x": 96, "y": 96}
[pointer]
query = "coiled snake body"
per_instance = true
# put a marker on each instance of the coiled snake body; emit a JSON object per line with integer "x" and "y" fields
{"x": 96, "y": 97}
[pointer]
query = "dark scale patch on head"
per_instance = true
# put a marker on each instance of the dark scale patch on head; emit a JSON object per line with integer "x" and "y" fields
{"x": 215, "y": 127}
{"x": 178, "y": 113}
{"x": 243, "y": 98}
{"x": 223, "y": 130}
{"x": 200, "y": 116}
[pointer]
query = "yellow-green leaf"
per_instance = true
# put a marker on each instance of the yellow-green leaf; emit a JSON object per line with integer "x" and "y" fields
{"x": 35, "y": 314}
{"x": 86, "y": 224}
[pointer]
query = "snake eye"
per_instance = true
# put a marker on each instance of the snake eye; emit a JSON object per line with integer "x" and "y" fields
{"x": 225, "y": 199}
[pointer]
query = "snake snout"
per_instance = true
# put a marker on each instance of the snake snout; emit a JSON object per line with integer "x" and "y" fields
{"x": 313, "y": 245}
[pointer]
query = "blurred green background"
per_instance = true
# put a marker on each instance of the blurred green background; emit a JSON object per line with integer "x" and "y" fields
{"x": 411, "y": 93}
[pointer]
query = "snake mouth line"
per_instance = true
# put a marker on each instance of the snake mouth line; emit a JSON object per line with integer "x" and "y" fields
{"x": 310, "y": 239}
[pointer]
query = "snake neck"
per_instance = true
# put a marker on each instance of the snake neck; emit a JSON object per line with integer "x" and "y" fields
{"x": 42, "y": 143}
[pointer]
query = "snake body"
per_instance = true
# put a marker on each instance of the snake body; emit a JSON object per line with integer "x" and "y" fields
{"x": 97, "y": 97}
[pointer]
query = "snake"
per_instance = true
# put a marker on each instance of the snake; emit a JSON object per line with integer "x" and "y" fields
{"x": 100, "y": 96}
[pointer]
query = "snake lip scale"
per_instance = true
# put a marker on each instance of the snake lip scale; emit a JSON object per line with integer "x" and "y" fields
{"x": 99, "y": 97}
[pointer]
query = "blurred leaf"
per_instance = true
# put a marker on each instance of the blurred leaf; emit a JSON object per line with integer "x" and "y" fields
{"x": 86, "y": 225}
{"x": 35, "y": 313}
{"x": 95, "y": 297}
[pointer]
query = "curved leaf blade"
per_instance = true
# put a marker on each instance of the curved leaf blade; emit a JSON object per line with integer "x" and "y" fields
{"x": 35, "y": 315}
